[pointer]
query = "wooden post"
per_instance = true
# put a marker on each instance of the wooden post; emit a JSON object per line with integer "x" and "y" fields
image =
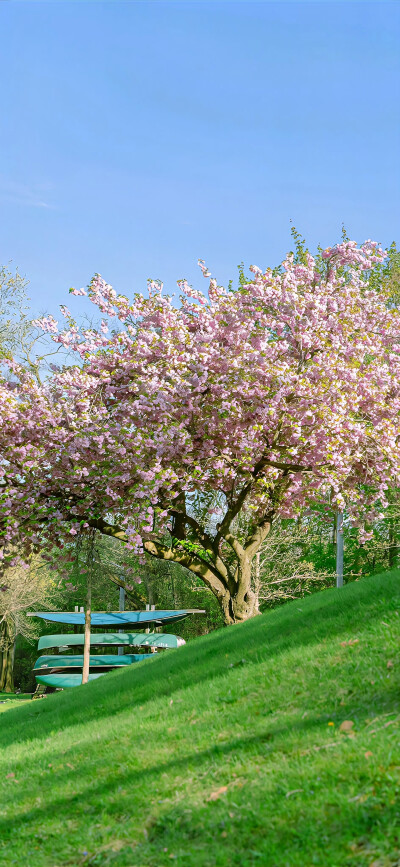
{"x": 88, "y": 619}
{"x": 121, "y": 608}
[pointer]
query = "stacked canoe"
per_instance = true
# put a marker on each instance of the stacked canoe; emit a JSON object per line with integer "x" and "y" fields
{"x": 61, "y": 671}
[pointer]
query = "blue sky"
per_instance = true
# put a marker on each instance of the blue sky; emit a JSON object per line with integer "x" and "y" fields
{"x": 137, "y": 137}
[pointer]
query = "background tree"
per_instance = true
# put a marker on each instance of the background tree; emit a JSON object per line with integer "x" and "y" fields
{"x": 23, "y": 586}
{"x": 13, "y": 310}
{"x": 20, "y": 340}
{"x": 299, "y": 556}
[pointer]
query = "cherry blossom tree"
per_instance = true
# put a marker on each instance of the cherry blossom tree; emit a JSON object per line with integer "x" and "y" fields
{"x": 258, "y": 402}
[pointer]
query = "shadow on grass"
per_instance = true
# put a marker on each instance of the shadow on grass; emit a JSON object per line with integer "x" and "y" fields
{"x": 340, "y": 833}
{"x": 144, "y": 779}
{"x": 301, "y": 623}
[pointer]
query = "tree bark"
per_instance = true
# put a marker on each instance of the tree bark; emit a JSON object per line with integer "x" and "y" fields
{"x": 2, "y": 654}
{"x": 9, "y": 675}
{"x": 7, "y": 669}
{"x": 88, "y": 618}
{"x": 7, "y": 659}
{"x": 240, "y": 601}
{"x": 2, "y": 669}
{"x": 239, "y": 606}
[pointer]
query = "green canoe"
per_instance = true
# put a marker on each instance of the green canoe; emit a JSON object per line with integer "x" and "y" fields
{"x": 63, "y": 681}
{"x": 103, "y": 661}
{"x": 130, "y": 639}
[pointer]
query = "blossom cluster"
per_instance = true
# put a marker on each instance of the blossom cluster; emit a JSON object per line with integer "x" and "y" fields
{"x": 288, "y": 387}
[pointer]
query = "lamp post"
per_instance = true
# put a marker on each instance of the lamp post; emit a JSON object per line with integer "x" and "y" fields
{"x": 339, "y": 549}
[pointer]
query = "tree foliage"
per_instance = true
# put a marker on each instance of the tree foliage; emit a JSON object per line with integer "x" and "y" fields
{"x": 23, "y": 586}
{"x": 13, "y": 310}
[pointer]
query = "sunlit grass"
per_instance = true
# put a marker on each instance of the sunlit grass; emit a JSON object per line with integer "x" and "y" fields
{"x": 231, "y": 750}
{"x": 9, "y": 700}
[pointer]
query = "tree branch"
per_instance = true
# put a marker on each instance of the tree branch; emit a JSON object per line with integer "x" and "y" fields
{"x": 203, "y": 537}
{"x": 235, "y": 545}
{"x": 233, "y": 510}
{"x": 209, "y": 544}
{"x": 255, "y": 540}
{"x": 202, "y": 569}
{"x": 210, "y": 574}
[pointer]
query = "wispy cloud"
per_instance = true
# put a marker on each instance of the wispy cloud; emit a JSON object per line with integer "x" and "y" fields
{"x": 26, "y": 195}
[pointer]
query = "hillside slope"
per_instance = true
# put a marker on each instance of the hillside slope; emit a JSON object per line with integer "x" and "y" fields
{"x": 273, "y": 743}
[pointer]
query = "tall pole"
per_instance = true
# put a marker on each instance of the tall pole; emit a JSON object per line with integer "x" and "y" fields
{"x": 88, "y": 618}
{"x": 339, "y": 549}
{"x": 121, "y": 608}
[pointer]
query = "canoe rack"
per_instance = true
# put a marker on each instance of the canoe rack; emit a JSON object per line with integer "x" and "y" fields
{"x": 61, "y": 671}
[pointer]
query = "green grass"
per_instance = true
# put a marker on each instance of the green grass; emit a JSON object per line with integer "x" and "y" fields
{"x": 9, "y": 700}
{"x": 226, "y": 752}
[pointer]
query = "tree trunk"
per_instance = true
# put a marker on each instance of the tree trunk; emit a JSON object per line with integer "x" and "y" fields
{"x": 2, "y": 669}
{"x": 239, "y": 606}
{"x": 2, "y": 654}
{"x": 234, "y": 593}
{"x": 7, "y": 669}
{"x": 257, "y": 574}
{"x": 9, "y": 681}
{"x": 88, "y": 618}
{"x": 7, "y": 656}
{"x": 240, "y": 603}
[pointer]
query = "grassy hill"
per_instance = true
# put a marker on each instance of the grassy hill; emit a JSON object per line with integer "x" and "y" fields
{"x": 271, "y": 743}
